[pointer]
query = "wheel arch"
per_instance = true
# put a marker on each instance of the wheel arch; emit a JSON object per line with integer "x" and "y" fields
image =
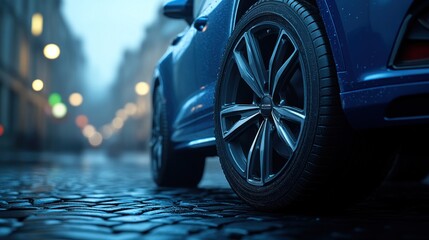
{"x": 244, "y": 5}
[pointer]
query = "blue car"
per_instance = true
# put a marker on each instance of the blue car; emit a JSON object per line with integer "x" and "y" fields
{"x": 304, "y": 101}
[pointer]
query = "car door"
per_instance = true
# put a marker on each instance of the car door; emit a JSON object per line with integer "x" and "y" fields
{"x": 195, "y": 120}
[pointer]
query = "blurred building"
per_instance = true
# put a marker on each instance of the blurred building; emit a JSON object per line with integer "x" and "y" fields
{"x": 26, "y": 120}
{"x": 138, "y": 67}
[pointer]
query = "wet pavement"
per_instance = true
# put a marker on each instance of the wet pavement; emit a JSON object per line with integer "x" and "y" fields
{"x": 95, "y": 196}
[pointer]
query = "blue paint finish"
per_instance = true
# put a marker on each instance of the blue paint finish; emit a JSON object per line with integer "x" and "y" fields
{"x": 361, "y": 33}
{"x": 366, "y": 108}
{"x": 329, "y": 13}
{"x": 366, "y": 31}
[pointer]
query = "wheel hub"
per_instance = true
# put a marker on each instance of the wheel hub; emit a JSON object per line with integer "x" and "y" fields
{"x": 266, "y": 106}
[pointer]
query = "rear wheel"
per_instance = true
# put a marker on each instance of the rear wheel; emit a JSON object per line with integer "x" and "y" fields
{"x": 170, "y": 168}
{"x": 281, "y": 134}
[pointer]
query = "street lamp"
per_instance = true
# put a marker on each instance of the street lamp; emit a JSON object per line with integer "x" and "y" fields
{"x": 142, "y": 88}
{"x": 51, "y": 51}
{"x": 37, "y": 85}
{"x": 59, "y": 110}
{"x": 37, "y": 24}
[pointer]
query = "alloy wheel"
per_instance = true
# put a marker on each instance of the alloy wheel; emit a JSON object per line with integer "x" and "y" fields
{"x": 263, "y": 103}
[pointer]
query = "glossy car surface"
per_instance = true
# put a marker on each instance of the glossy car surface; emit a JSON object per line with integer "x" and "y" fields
{"x": 379, "y": 49}
{"x": 362, "y": 36}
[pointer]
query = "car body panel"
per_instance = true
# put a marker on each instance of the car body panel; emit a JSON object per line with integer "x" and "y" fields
{"x": 362, "y": 35}
{"x": 190, "y": 98}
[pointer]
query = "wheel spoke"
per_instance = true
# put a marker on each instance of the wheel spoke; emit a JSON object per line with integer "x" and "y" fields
{"x": 247, "y": 74}
{"x": 256, "y": 61}
{"x": 240, "y": 126}
{"x": 239, "y": 109}
{"x": 290, "y": 113}
{"x": 284, "y": 133}
{"x": 261, "y": 150}
{"x": 287, "y": 68}
{"x": 275, "y": 60}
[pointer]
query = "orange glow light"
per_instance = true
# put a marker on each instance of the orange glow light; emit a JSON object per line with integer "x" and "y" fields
{"x": 76, "y": 99}
{"x": 81, "y": 121}
{"x": 1, "y": 130}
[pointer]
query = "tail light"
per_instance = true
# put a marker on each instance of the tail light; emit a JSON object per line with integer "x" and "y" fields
{"x": 412, "y": 49}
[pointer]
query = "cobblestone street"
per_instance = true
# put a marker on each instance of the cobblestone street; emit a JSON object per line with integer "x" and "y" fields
{"x": 94, "y": 196}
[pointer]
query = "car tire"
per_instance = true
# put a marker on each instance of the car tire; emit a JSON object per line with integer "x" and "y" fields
{"x": 284, "y": 141}
{"x": 170, "y": 168}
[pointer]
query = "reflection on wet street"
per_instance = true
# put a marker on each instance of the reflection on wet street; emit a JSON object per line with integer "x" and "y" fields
{"x": 97, "y": 196}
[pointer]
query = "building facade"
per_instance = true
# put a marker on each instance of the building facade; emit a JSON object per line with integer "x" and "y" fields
{"x": 26, "y": 120}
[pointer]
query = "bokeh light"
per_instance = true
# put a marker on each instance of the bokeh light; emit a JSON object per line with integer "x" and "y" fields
{"x": 96, "y": 140}
{"x": 37, "y": 85}
{"x": 131, "y": 109}
{"x": 118, "y": 123}
{"x": 1, "y": 130}
{"x": 142, "y": 88}
{"x": 107, "y": 131}
{"x": 81, "y": 121}
{"x": 37, "y": 24}
{"x": 59, "y": 110}
{"x": 76, "y": 99}
{"x": 51, "y": 51}
{"x": 54, "y": 99}
{"x": 88, "y": 131}
{"x": 121, "y": 113}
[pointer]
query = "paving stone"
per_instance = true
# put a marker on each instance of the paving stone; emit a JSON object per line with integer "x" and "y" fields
{"x": 4, "y": 231}
{"x": 212, "y": 234}
{"x": 117, "y": 202}
{"x": 247, "y": 227}
{"x": 60, "y": 205}
{"x": 41, "y": 201}
{"x": 76, "y": 235}
{"x": 69, "y": 196}
{"x": 20, "y": 205}
{"x": 92, "y": 213}
{"x": 179, "y": 229}
{"x": 213, "y": 222}
{"x": 93, "y": 200}
{"x": 169, "y": 220}
{"x": 17, "y": 213}
{"x": 134, "y": 219}
{"x": 100, "y": 203}
{"x": 83, "y": 227}
{"x": 134, "y": 211}
{"x": 201, "y": 214}
{"x": 41, "y": 217}
{"x": 99, "y": 222}
{"x": 137, "y": 227}
{"x": 111, "y": 209}
{"x": 97, "y": 196}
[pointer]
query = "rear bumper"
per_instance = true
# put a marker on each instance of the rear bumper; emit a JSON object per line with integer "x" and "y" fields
{"x": 404, "y": 93}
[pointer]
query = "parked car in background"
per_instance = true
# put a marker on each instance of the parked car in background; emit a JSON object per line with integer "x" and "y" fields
{"x": 304, "y": 101}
